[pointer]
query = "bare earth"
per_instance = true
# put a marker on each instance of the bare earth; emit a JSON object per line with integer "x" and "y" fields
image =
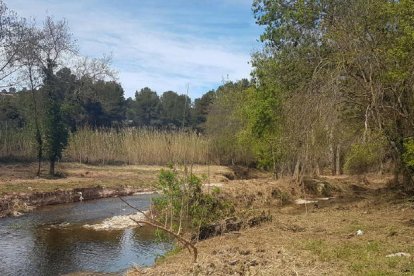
{"x": 17, "y": 178}
{"x": 309, "y": 239}
{"x": 314, "y": 239}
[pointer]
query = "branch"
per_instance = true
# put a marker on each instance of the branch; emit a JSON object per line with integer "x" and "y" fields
{"x": 143, "y": 213}
{"x": 186, "y": 243}
{"x": 158, "y": 225}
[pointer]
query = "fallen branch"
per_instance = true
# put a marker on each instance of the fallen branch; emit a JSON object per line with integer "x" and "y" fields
{"x": 154, "y": 223}
{"x": 186, "y": 243}
{"x": 143, "y": 213}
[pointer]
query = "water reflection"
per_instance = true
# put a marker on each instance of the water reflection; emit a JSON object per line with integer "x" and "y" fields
{"x": 36, "y": 245}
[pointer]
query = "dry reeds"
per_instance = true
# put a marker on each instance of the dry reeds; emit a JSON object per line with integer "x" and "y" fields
{"x": 136, "y": 146}
{"x": 110, "y": 146}
{"x": 17, "y": 144}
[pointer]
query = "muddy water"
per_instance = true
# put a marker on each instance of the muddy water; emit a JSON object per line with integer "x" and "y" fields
{"x": 52, "y": 240}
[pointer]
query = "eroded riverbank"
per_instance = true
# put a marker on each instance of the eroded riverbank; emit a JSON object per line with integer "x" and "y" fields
{"x": 17, "y": 203}
{"x": 21, "y": 190}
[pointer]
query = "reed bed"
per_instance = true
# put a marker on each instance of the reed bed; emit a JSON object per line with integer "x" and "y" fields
{"x": 136, "y": 146}
{"x": 114, "y": 146}
{"x": 17, "y": 144}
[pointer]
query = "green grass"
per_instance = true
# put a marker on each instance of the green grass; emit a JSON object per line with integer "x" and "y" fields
{"x": 174, "y": 251}
{"x": 363, "y": 257}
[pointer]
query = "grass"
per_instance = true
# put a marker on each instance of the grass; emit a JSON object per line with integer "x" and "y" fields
{"x": 112, "y": 146}
{"x": 319, "y": 240}
{"x": 16, "y": 144}
{"x": 19, "y": 177}
{"x": 363, "y": 257}
{"x": 174, "y": 251}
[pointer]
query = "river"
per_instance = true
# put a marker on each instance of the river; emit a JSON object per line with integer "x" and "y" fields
{"x": 52, "y": 240}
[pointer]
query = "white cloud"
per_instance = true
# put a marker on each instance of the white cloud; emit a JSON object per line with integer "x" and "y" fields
{"x": 146, "y": 51}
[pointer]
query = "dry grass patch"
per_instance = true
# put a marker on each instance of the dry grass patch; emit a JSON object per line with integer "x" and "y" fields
{"x": 319, "y": 239}
{"x": 21, "y": 177}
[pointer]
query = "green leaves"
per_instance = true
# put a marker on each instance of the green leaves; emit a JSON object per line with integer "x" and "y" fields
{"x": 184, "y": 203}
{"x": 408, "y": 155}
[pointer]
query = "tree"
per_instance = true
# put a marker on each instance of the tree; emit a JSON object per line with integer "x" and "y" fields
{"x": 201, "y": 109}
{"x": 225, "y": 124}
{"x": 374, "y": 53}
{"x": 146, "y": 109}
{"x": 344, "y": 75}
{"x": 175, "y": 109}
{"x": 55, "y": 41}
{"x": 12, "y": 32}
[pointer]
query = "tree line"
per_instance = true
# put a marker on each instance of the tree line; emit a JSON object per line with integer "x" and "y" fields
{"x": 331, "y": 91}
{"x": 102, "y": 104}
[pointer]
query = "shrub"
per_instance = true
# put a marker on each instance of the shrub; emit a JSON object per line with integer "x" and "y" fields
{"x": 408, "y": 155}
{"x": 183, "y": 203}
{"x": 364, "y": 157}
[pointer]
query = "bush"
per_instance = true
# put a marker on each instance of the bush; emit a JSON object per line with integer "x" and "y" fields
{"x": 408, "y": 155}
{"x": 183, "y": 203}
{"x": 364, "y": 157}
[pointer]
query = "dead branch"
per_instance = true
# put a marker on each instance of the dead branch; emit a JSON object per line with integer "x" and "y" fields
{"x": 141, "y": 212}
{"x": 154, "y": 223}
{"x": 186, "y": 243}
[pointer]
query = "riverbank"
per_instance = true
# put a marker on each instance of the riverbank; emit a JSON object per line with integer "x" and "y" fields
{"x": 21, "y": 190}
{"x": 362, "y": 226}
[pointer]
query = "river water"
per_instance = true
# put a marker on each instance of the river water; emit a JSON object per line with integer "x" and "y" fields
{"x": 52, "y": 240}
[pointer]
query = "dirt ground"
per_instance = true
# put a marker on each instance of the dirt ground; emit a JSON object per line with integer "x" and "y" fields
{"x": 319, "y": 238}
{"x": 21, "y": 178}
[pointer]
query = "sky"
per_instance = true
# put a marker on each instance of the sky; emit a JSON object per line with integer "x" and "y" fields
{"x": 161, "y": 44}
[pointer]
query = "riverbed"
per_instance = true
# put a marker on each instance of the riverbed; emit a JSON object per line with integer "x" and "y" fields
{"x": 53, "y": 240}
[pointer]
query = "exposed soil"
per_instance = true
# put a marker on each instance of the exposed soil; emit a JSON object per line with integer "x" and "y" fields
{"x": 320, "y": 238}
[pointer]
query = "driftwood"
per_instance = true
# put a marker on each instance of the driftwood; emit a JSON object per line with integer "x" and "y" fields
{"x": 156, "y": 224}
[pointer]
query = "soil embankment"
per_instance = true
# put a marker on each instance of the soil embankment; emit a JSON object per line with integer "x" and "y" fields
{"x": 17, "y": 203}
{"x": 21, "y": 190}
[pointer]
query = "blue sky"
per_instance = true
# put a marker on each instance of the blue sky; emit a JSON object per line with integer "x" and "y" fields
{"x": 164, "y": 45}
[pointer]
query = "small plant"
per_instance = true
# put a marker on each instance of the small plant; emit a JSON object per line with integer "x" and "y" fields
{"x": 183, "y": 203}
{"x": 364, "y": 157}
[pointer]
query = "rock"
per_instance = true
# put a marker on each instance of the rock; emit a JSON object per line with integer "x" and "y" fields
{"x": 318, "y": 187}
{"x": 16, "y": 214}
{"x": 245, "y": 252}
{"x": 233, "y": 262}
{"x": 253, "y": 263}
{"x": 301, "y": 201}
{"x": 399, "y": 254}
{"x": 254, "y": 221}
{"x": 116, "y": 222}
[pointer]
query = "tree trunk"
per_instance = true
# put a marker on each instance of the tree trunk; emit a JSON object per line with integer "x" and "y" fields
{"x": 333, "y": 158}
{"x": 338, "y": 160}
{"x": 296, "y": 172}
{"x": 407, "y": 179}
{"x": 52, "y": 167}
{"x": 39, "y": 149}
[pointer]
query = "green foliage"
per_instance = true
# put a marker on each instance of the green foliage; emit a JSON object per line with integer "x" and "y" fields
{"x": 364, "y": 157}
{"x": 175, "y": 111}
{"x": 146, "y": 109}
{"x": 55, "y": 131}
{"x": 225, "y": 124}
{"x": 408, "y": 155}
{"x": 183, "y": 202}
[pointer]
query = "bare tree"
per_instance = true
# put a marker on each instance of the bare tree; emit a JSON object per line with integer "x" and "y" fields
{"x": 12, "y": 31}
